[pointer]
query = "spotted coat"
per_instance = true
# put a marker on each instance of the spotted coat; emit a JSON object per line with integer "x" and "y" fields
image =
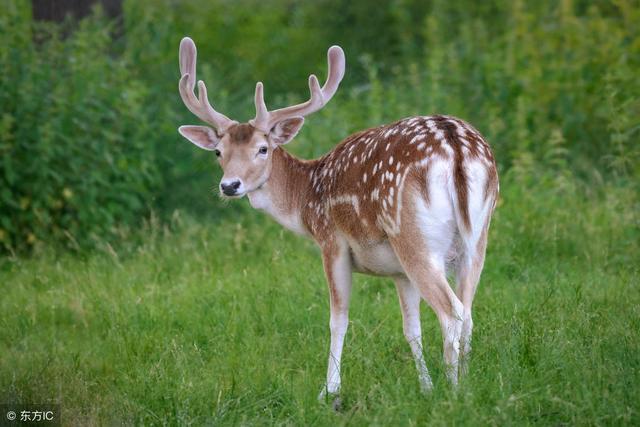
{"x": 358, "y": 186}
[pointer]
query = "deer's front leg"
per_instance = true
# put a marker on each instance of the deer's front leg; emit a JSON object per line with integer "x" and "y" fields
{"x": 337, "y": 267}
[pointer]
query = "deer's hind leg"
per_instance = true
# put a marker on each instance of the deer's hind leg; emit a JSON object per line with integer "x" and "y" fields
{"x": 425, "y": 235}
{"x": 467, "y": 278}
{"x": 410, "y": 305}
{"x": 473, "y": 247}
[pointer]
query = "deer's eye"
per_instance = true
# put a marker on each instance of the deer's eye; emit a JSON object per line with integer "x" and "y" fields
{"x": 262, "y": 150}
{"x": 217, "y": 153}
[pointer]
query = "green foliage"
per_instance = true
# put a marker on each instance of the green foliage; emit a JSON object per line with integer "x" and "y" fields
{"x": 88, "y": 124}
{"x": 75, "y": 161}
{"x": 526, "y": 74}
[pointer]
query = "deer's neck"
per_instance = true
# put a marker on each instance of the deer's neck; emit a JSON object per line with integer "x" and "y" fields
{"x": 284, "y": 194}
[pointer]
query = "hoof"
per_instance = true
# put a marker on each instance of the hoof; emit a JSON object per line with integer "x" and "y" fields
{"x": 337, "y": 404}
{"x": 426, "y": 389}
{"x": 333, "y": 398}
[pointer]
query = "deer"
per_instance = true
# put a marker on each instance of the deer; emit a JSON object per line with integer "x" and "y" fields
{"x": 410, "y": 200}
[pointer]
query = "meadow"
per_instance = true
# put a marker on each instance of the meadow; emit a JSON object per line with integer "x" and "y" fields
{"x": 131, "y": 294}
{"x": 226, "y": 322}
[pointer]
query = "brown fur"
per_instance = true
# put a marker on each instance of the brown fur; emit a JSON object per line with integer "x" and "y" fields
{"x": 241, "y": 133}
{"x": 342, "y": 171}
{"x": 459, "y": 174}
{"x": 371, "y": 165}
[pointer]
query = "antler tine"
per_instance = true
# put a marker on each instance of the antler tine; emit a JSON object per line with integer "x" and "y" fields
{"x": 336, "y": 61}
{"x": 200, "y": 105}
{"x": 262, "y": 114}
{"x": 265, "y": 119}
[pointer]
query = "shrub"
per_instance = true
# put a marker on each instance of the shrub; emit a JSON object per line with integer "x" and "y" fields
{"x": 75, "y": 159}
{"x": 88, "y": 123}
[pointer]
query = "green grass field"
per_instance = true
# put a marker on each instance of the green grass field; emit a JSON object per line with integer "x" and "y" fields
{"x": 225, "y": 321}
{"x": 208, "y": 313}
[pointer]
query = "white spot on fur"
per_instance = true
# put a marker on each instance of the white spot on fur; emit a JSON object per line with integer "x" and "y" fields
{"x": 459, "y": 129}
{"x": 390, "y": 132}
{"x": 346, "y": 199}
{"x": 415, "y": 139}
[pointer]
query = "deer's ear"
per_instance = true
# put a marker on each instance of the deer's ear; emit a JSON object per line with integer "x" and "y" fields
{"x": 285, "y": 130}
{"x": 202, "y": 136}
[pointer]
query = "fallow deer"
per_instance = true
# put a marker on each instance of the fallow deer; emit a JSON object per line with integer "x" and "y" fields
{"x": 411, "y": 200}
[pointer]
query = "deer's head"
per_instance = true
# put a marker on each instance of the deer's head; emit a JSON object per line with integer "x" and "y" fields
{"x": 244, "y": 150}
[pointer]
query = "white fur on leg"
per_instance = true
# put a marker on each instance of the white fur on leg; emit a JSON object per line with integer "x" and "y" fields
{"x": 338, "y": 325}
{"x": 452, "y": 331}
{"x": 465, "y": 342}
{"x": 426, "y": 385}
{"x": 338, "y": 269}
{"x": 410, "y": 305}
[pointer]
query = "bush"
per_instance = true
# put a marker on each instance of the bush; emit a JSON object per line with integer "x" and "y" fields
{"x": 76, "y": 162}
{"x": 88, "y": 124}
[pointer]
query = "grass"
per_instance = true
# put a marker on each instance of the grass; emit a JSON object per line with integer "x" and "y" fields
{"x": 225, "y": 321}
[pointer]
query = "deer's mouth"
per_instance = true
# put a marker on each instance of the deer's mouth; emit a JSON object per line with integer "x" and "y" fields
{"x": 233, "y": 196}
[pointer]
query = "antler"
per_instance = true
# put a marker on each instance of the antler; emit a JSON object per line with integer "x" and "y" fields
{"x": 199, "y": 106}
{"x": 265, "y": 119}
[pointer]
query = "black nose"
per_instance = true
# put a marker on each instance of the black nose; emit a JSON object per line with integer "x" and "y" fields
{"x": 230, "y": 188}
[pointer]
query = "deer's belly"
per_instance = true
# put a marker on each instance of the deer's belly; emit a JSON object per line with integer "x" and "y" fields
{"x": 378, "y": 259}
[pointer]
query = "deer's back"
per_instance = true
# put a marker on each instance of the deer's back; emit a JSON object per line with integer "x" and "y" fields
{"x": 360, "y": 187}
